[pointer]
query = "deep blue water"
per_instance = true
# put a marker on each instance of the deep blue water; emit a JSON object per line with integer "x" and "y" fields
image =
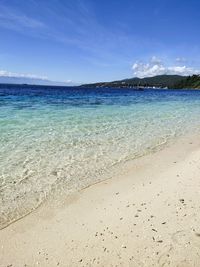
{"x": 74, "y": 96}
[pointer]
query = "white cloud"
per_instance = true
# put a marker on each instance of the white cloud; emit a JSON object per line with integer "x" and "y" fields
{"x": 181, "y": 60}
{"x": 155, "y": 60}
{"x": 156, "y": 67}
{"x": 5, "y": 73}
{"x": 32, "y": 79}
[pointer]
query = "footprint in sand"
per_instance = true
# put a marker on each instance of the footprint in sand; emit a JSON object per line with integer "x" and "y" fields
{"x": 184, "y": 250}
{"x": 181, "y": 237}
{"x": 177, "y": 256}
{"x": 185, "y": 238}
{"x": 165, "y": 257}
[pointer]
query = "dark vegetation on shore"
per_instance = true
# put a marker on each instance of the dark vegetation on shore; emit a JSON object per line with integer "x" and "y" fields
{"x": 160, "y": 81}
{"x": 190, "y": 82}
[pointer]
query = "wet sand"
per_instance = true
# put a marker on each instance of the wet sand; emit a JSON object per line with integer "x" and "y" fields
{"x": 149, "y": 216}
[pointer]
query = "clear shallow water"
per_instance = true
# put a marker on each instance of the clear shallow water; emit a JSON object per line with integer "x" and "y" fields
{"x": 55, "y": 139}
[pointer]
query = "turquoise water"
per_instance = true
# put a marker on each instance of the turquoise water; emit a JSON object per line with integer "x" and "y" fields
{"x": 56, "y": 140}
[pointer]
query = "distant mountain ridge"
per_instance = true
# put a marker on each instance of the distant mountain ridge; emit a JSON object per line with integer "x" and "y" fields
{"x": 32, "y": 81}
{"x": 160, "y": 81}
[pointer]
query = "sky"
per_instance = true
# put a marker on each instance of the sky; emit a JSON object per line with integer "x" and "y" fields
{"x": 84, "y": 41}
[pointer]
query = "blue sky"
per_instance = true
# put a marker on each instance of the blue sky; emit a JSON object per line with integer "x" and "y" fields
{"x": 99, "y": 40}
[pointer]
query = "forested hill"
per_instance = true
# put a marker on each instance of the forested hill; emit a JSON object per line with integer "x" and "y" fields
{"x": 190, "y": 82}
{"x": 160, "y": 81}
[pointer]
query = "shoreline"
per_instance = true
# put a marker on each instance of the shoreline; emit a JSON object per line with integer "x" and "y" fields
{"x": 146, "y": 216}
{"x": 118, "y": 169}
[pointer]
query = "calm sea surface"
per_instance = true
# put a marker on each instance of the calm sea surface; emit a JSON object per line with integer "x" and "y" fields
{"x": 63, "y": 139}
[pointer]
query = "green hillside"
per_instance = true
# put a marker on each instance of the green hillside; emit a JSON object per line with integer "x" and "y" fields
{"x": 192, "y": 82}
{"x": 156, "y": 81}
{"x": 160, "y": 81}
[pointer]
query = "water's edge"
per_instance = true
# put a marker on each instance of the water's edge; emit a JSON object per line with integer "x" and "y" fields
{"x": 54, "y": 142}
{"x": 56, "y": 196}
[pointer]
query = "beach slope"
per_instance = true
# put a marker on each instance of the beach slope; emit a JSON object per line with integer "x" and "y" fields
{"x": 146, "y": 216}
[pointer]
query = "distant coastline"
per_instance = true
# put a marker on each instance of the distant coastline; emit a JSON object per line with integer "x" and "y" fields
{"x": 157, "y": 82}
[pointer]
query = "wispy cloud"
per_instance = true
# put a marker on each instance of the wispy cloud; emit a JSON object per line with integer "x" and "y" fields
{"x": 5, "y": 73}
{"x": 18, "y": 21}
{"x": 181, "y": 60}
{"x": 79, "y": 26}
{"x": 79, "y": 33}
{"x": 32, "y": 78}
{"x": 155, "y": 66}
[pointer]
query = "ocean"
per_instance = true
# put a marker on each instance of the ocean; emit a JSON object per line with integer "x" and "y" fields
{"x": 56, "y": 140}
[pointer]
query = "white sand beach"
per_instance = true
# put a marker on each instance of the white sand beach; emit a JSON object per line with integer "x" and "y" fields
{"x": 149, "y": 216}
